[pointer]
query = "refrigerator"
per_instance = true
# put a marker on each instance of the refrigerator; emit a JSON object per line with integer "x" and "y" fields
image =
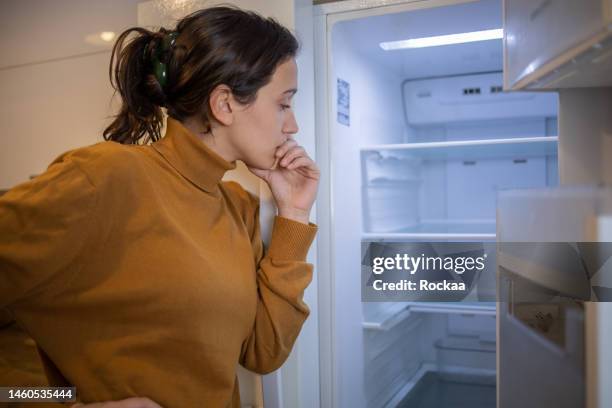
{"x": 468, "y": 142}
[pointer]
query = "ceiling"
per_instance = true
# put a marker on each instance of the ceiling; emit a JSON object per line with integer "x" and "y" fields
{"x": 366, "y": 34}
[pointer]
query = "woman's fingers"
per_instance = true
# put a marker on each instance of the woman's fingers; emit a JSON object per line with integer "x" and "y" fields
{"x": 295, "y": 157}
{"x": 292, "y": 154}
{"x": 301, "y": 161}
{"x": 280, "y": 152}
{"x": 305, "y": 163}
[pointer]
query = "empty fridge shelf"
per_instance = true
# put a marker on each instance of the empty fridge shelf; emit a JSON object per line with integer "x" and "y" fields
{"x": 485, "y": 148}
{"x": 393, "y": 182}
{"x": 474, "y": 308}
{"x": 387, "y": 319}
{"x": 482, "y": 229}
{"x": 385, "y": 316}
{"x": 431, "y": 236}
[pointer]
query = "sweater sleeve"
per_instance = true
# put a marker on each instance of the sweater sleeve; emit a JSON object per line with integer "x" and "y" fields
{"x": 44, "y": 225}
{"x": 282, "y": 277}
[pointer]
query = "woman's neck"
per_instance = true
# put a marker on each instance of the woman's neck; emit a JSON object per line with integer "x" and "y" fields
{"x": 213, "y": 141}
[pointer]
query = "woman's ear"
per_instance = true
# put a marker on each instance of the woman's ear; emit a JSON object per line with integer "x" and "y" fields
{"x": 220, "y": 104}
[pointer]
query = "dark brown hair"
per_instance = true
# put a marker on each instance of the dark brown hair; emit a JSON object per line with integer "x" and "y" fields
{"x": 218, "y": 45}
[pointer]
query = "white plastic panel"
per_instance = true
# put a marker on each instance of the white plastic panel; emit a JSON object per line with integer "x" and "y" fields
{"x": 545, "y": 35}
{"x": 389, "y": 360}
{"x": 536, "y": 215}
{"x": 471, "y": 97}
{"x": 466, "y": 355}
{"x": 472, "y": 186}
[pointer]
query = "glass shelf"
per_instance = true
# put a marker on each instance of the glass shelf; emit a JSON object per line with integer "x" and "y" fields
{"x": 386, "y": 319}
{"x": 483, "y": 229}
{"x": 470, "y": 149}
{"x": 395, "y": 182}
{"x": 475, "y": 308}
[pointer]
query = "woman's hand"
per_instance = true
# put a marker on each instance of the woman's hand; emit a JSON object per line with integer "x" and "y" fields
{"x": 293, "y": 181}
{"x": 126, "y": 403}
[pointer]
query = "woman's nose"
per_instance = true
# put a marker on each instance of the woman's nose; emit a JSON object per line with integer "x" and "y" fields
{"x": 291, "y": 125}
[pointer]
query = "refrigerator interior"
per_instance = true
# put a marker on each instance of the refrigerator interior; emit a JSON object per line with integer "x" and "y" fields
{"x": 422, "y": 140}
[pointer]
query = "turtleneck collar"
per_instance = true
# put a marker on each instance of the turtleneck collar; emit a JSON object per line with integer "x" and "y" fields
{"x": 191, "y": 157}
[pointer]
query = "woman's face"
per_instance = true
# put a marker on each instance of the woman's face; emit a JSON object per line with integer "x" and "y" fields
{"x": 261, "y": 127}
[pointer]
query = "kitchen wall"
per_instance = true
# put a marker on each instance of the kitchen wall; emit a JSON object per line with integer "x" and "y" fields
{"x": 56, "y": 94}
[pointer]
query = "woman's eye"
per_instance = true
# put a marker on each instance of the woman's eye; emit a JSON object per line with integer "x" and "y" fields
{"x": 283, "y": 107}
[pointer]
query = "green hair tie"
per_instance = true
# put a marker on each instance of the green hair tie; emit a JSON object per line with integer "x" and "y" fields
{"x": 160, "y": 58}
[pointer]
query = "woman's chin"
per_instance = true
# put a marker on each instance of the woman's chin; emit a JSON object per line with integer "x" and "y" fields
{"x": 269, "y": 164}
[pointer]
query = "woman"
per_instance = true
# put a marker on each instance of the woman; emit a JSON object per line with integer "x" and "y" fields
{"x": 139, "y": 272}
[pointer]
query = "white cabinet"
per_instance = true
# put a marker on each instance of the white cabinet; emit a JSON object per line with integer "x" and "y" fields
{"x": 551, "y": 44}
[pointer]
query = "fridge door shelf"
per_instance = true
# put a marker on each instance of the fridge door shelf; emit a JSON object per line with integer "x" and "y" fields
{"x": 518, "y": 147}
{"x": 386, "y": 320}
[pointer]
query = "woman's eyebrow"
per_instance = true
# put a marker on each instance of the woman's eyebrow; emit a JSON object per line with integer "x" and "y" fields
{"x": 291, "y": 91}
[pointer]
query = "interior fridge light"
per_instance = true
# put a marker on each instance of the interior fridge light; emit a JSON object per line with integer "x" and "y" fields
{"x": 443, "y": 40}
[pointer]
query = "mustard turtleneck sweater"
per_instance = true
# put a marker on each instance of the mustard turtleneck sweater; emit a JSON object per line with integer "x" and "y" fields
{"x": 139, "y": 272}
